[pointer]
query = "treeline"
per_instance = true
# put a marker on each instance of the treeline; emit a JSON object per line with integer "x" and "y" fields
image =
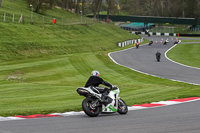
{"x": 40, "y": 5}
{"x": 162, "y": 8}
{"x": 75, "y": 6}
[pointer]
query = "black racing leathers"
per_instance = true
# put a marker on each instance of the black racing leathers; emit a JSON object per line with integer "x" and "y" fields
{"x": 96, "y": 81}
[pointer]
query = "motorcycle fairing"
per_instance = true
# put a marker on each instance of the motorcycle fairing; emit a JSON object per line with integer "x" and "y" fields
{"x": 113, "y": 106}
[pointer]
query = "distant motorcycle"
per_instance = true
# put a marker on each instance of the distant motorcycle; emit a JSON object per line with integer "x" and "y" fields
{"x": 158, "y": 55}
{"x": 177, "y": 41}
{"x": 137, "y": 45}
{"x": 92, "y": 104}
{"x": 166, "y": 42}
{"x": 151, "y": 42}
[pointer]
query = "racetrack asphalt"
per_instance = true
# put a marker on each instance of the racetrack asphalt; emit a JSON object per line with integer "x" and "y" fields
{"x": 144, "y": 61}
{"x": 181, "y": 118}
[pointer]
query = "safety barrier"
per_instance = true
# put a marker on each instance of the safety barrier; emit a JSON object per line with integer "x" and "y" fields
{"x": 157, "y": 33}
{"x": 125, "y": 43}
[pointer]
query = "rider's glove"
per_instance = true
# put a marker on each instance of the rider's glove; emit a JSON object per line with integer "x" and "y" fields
{"x": 113, "y": 86}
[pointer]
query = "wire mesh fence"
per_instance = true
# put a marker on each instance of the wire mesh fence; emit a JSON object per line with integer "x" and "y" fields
{"x": 41, "y": 19}
{"x": 163, "y": 29}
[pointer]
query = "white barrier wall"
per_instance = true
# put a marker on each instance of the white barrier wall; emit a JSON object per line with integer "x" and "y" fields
{"x": 166, "y": 34}
{"x": 158, "y": 34}
{"x": 125, "y": 43}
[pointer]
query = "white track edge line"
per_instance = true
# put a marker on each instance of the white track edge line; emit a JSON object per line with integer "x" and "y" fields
{"x": 73, "y": 113}
{"x": 144, "y": 72}
{"x": 175, "y": 61}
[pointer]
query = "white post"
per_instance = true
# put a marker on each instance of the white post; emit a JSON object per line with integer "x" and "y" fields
{"x": 21, "y": 19}
{"x": 81, "y": 16}
{"x": 13, "y": 17}
{"x": 31, "y": 13}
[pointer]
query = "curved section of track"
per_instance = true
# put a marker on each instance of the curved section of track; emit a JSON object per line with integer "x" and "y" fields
{"x": 181, "y": 118}
{"x": 144, "y": 61}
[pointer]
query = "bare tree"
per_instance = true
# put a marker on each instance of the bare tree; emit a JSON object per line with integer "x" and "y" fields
{"x": 38, "y": 4}
{"x": 183, "y": 8}
{"x": 77, "y": 9}
{"x": 108, "y": 10}
{"x": 68, "y": 5}
{"x": 83, "y": 7}
{"x": 0, "y": 2}
{"x": 98, "y": 7}
{"x": 51, "y": 3}
{"x": 96, "y": 4}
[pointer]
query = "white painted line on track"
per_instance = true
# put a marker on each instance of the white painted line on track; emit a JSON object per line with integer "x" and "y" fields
{"x": 134, "y": 107}
{"x": 69, "y": 113}
{"x": 127, "y": 66}
{"x": 10, "y": 118}
{"x": 167, "y": 102}
{"x": 177, "y": 62}
{"x": 148, "y": 73}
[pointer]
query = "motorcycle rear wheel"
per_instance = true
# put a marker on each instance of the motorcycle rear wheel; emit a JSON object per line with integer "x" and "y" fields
{"x": 89, "y": 109}
{"x": 122, "y": 107}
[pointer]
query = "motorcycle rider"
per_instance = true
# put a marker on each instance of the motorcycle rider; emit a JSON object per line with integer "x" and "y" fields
{"x": 166, "y": 41}
{"x": 137, "y": 44}
{"x": 95, "y": 81}
{"x": 147, "y": 31}
{"x": 177, "y": 41}
{"x": 158, "y": 54}
{"x": 151, "y": 42}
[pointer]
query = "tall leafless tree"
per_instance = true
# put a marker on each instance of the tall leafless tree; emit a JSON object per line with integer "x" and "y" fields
{"x": 0, "y": 2}
{"x": 77, "y": 9}
{"x": 96, "y": 4}
{"x": 51, "y": 4}
{"x": 165, "y": 8}
{"x": 83, "y": 7}
{"x": 99, "y": 7}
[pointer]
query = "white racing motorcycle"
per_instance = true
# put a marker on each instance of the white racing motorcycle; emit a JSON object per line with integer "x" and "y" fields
{"x": 93, "y": 105}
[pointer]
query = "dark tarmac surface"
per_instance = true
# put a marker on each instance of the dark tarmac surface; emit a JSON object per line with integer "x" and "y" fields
{"x": 144, "y": 60}
{"x": 181, "y": 118}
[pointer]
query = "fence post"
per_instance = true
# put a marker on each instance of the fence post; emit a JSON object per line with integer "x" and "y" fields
{"x": 21, "y": 20}
{"x": 13, "y": 17}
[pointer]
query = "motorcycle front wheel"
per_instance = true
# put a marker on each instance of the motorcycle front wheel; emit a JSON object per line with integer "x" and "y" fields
{"x": 122, "y": 107}
{"x": 90, "y": 107}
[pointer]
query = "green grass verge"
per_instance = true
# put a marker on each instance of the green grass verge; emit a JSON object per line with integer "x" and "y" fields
{"x": 48, "y": 85}
{"x": 187, "y": 54}
{"x": 190, "y": 40}
{"x": 24, "y": 41}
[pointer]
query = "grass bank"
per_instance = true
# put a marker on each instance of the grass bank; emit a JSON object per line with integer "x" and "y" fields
{"x": 46, "y": 85}
{"x": 23, "y": 41}
{"x": 187, "y": 54}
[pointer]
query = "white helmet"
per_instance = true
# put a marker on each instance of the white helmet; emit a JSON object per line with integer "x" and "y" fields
{"x": 95, "y": 73}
